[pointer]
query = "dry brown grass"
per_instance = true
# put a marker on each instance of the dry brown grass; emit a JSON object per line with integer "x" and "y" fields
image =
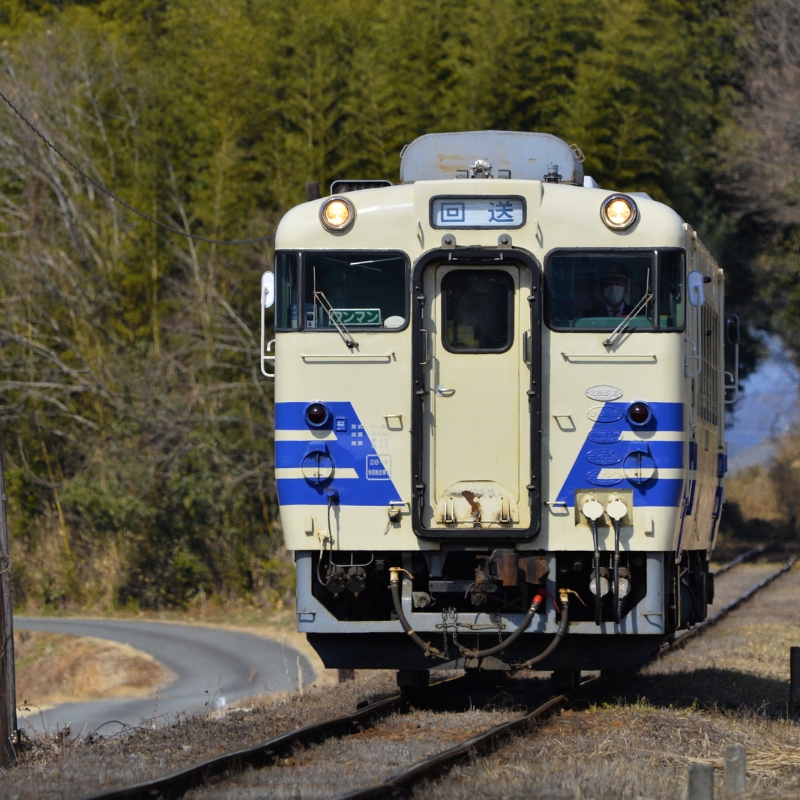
{"x": 59, "y": 770}
{"x": 632, "y": 739}
{"x": 629, "y": 751}
{"x": 753, "y": 514}
{"x": 360, "y": 760}
{"x": 754, "y": 491}
{"x": 636, "y": 737}
{"x": 52, "y": 668}
{"x": 762, "y": 503}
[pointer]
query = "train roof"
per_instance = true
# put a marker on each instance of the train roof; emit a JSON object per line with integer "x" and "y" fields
{"x": 491, "y": 154}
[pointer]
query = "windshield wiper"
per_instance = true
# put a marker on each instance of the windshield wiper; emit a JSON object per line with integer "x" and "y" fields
{"x": 347, "y": 337}
{"x": 623, "y": 326}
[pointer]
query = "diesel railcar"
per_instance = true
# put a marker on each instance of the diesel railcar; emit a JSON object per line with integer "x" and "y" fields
{"x": 499, "y": 413}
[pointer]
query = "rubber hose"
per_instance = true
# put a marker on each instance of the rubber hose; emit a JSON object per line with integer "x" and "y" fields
{"x": 617, "y": 602}
{"x": 512, "y": 638}
{"x": 428, "y": 648}
{"x": 560, "y": 634}
{"x": 598, "y": 597}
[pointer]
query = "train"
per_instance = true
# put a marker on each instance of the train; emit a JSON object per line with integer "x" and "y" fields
{"x": 500, "y": 398}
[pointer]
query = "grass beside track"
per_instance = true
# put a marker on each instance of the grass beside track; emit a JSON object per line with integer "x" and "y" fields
{"x": 636, "y": 736}
{"x": 633, "y": 738}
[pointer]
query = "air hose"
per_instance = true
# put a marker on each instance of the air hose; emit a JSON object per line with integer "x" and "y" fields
{"x": 563, "y": 627}
{"x": 535, "y": 604}
{"x": 430, "y": 650}
{"x": 598, "y": 594}
{"x": 618, "y": 601}
{"x": 394, "y": 585}
{"x": 592, "y": 510}
{"x": 616, "y": 510}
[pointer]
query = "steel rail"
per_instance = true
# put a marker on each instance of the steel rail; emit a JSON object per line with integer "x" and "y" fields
{"x": 756, "y": 551}
{"x": 181, "y": 781}
{"x": 446, "y": 759}
{"x": 177, "y": 783}
{"x": 703, "y": 626}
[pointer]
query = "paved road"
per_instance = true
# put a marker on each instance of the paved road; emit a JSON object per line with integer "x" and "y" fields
{"x": 210, "y": 664}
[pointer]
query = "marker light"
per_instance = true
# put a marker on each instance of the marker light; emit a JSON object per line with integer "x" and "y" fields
{"x": 639, "y": 413}
{"x": 317, "y": 414}
{"x": 618, "y": 212}
{"x": 337, "y": 214}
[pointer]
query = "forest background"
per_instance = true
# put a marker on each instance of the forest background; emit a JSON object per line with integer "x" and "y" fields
{"x": 138, "y": 433}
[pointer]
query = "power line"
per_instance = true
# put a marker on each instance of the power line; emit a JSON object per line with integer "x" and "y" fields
{"x": 106, "y": 191}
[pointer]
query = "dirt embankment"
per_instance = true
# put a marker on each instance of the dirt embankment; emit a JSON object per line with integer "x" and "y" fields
{"x": 52, "y": 668}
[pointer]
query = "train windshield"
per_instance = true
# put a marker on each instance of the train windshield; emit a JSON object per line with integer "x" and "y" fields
{"x": 597, "y": 291}
{"x": 359, "y": 289}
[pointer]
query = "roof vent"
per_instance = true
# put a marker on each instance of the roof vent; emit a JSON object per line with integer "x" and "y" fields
{"x": 552, "y": 175}
{"x": 480, "y": 169}
{"x": 484, "y": 154}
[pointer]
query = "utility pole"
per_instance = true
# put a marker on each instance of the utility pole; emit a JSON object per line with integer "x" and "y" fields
{"x": 8, "y": 692}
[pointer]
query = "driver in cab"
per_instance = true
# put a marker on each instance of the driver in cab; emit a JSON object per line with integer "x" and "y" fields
{"x": 615, "y": 286}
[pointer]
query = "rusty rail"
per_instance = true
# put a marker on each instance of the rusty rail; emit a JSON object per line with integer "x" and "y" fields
{"x": 441, "y": 762}
{"x": 177, "y": 783}
{"x": 756, "y": 551}
{"x": 264, "y": 754}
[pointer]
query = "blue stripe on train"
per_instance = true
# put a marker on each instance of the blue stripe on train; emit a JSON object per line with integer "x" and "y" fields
{"x": 600, "y": 462}
{"x": 351, "y": 448}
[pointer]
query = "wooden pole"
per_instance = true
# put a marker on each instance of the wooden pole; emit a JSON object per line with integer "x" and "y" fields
{"x": 794, "y": 679}
{"x": 8, "y": 693}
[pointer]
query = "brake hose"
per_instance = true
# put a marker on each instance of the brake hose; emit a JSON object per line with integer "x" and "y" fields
{"x": 563, "y": 627}
{"x": 333, "y": 497}
{"x": 592, "y": 510}
{"x": 394, "y": 585}
{"x": 535, "y": 604}
{"x": 618, "y": 601}
{"x": 616, "y": 510}
{"x": 430, "y": 650}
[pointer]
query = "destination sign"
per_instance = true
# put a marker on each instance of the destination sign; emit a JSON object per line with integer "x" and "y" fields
{"x": 478, "y": 212}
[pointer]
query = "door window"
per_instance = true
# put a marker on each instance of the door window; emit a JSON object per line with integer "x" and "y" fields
{"x": 477, "y": 311}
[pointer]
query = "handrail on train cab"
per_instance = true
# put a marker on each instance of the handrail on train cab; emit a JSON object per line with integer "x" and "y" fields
{"x": 732, "y": 337}
{"x": 697, "y": 297}
{"x": 267, "y": 301}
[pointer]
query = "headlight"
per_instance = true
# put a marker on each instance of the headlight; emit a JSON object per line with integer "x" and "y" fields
{"x": 337, "y": 214}
{"x": 618, "y": 212}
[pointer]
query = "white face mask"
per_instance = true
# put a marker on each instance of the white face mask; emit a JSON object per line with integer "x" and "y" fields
{"x": 614, "y": 294}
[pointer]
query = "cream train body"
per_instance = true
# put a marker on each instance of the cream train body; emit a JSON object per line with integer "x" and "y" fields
{"x": 455, "y": 402}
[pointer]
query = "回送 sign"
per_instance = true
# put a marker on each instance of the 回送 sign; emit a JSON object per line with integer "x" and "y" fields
{"x": 478, "y": 212}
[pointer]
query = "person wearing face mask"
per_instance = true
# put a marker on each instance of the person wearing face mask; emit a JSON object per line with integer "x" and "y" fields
{"x": 614, "y": 284}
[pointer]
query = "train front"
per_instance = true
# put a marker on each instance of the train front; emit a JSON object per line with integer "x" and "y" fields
{"x": 498, "y": 414}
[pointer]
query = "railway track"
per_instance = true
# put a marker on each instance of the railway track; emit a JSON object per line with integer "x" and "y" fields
{"x": 270, "y": 752}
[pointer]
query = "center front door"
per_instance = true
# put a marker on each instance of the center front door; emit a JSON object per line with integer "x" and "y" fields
{"x": 474, "y": 447}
